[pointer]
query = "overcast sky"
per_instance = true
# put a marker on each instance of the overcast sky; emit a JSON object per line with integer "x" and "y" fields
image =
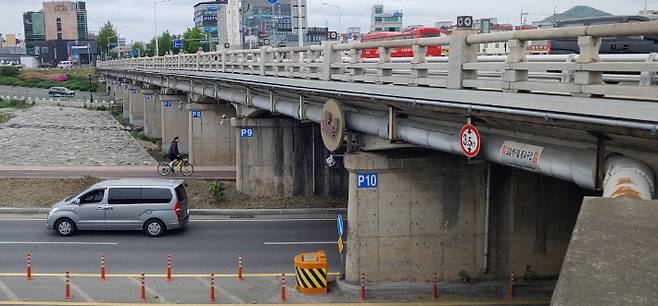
{"x": 134, "y": 18}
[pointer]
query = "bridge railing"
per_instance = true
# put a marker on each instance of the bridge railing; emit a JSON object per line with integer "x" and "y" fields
{"x": 584, "y": 74}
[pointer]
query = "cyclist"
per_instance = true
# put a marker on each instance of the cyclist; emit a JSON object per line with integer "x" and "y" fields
{"x": 174, "y": 154}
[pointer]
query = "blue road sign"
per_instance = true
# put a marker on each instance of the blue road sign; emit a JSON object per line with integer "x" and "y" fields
{"x": 134, "y": 90}
{"x": 203, "y": 42}
{"x": 167, "y": 104}
{"x": 366, "y": 180}
{"x": 247, "y": 133}
{"x": 178, "y": 43}
{"x": 339, "y": 226}
{"x": 196, "y": 114}
{"x": 148, "y": 96}
{"x": 273, "y": 2}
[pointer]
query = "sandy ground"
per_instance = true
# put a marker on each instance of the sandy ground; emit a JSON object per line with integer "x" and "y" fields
{"x": 45, "y": 192}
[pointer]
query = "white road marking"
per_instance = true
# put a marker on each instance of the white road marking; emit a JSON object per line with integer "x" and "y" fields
{"x": 59, "y": 242}
{"x": 151, "y": 293}
{"x": 10, "y": 295}
{"x": 258, "y": 220}
{"x": 197, "y": 220}
{"x": 300, "y": 242}
{"x": 223, "y": 292}
{"x": 77, "y": 289}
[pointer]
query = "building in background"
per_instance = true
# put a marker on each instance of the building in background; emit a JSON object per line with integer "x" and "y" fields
{"x": 34, "y": 27}
{"x": 65, "y": 20}
{"x": 80, "y": 52}
{"x": 59, "y": 32}
{"x": 10, "y": 40}
{"x": 384, "y": 21}
{"x": 207, "y": 17}
{"x": 276, "y": 25}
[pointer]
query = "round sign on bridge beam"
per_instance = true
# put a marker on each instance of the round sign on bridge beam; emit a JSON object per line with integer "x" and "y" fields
{"x": 469, "y": 140}
{"x": 273, "y": 2}
{"x": 332, "y": 125}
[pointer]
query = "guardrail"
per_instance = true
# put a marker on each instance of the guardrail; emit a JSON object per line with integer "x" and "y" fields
{"x": 584, "y": 74}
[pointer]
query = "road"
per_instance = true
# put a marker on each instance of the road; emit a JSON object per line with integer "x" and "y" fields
{"x": 221, "y": 173}
{"x": 267, "y": 245}
{"x": 43, "y": 93}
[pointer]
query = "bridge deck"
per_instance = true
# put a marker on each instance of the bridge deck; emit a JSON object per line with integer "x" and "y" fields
{"x": 638, "y": 110}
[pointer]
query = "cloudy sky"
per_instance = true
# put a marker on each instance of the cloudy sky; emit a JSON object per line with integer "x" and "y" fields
{"x": 134, "y": 18}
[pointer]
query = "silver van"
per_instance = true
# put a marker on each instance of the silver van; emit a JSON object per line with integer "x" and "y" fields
{"x": 151, "y": 205}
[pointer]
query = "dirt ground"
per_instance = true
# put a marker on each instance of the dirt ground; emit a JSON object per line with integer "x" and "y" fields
{"x": 45, "y": 192}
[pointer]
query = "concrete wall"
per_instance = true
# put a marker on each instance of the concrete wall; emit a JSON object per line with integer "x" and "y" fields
{"x": 278, "y": 160}
{"x": 136, "y": 108}
{"x": 532, "y": 218}
{"x": 152, "y": 115}
{"x": 428, "y": 215}
{"x": 212, "y": 139}
{"x": 175, "y": 122}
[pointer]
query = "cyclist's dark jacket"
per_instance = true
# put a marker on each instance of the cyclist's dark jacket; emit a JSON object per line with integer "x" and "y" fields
{"x": 173, "y": 150}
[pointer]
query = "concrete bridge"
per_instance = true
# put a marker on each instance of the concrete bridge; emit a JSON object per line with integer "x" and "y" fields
{"x": 553, "y": 130}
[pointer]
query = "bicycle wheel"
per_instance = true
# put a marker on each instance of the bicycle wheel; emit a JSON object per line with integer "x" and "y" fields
{"x": 187, "y": 169}
{"x": 164, "y": 169}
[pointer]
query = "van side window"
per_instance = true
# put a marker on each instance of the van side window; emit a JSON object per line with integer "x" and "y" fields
{"x": 156, "y": 195}
{"x": 94, "y": 196}
{"x": 124, "y": 196}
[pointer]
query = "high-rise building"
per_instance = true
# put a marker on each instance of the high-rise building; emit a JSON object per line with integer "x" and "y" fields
{"x": 59, "y": 32}
{"x": 276, "y": 25}
{"x": 206, "y": 18}
{"x": 65, "y": 20}
{"x": 34, "y": 27}
{"x": 384, "y": 21}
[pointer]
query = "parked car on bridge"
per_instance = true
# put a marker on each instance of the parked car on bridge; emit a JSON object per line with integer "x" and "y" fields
{"x": 151, "y": 205}
{"x": 610, "y": 45}
{"x": 60, "y": 92}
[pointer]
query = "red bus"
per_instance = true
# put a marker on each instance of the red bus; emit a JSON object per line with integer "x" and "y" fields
{"x": 406, "y": 51}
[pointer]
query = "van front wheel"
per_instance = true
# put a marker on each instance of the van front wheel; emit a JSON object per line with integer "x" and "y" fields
{"x": 65, "y": 227}
{"x": 154, "y": 228}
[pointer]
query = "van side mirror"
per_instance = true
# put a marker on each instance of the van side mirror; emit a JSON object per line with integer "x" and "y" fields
{"x": 77, "y": 201}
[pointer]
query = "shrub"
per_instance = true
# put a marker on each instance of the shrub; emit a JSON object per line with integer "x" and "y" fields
{"x": 216, "y": 191}
{"x": 9, "y": 71}
{"x": 4, "y": 117}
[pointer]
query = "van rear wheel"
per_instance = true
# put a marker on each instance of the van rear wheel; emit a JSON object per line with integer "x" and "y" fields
{"x": 154, "y": 228}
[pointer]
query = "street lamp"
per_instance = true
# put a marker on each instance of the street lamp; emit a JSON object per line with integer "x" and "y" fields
{"x": 155, "y": 24}
{"x": 339, "y": 14}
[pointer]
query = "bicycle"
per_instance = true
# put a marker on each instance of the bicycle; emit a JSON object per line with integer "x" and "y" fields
{"x": 183, "y": 166}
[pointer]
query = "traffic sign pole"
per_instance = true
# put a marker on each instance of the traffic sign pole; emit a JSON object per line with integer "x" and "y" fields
{"x": 340, "y": 228}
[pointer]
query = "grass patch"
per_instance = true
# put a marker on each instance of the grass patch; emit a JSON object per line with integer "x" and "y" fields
{"x": 18, "y": 104}
{"x": 142, "y": 136}
{"x": 117, "y": 113}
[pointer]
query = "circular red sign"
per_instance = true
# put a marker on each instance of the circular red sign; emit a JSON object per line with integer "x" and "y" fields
{"x": 469, "y": 140}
